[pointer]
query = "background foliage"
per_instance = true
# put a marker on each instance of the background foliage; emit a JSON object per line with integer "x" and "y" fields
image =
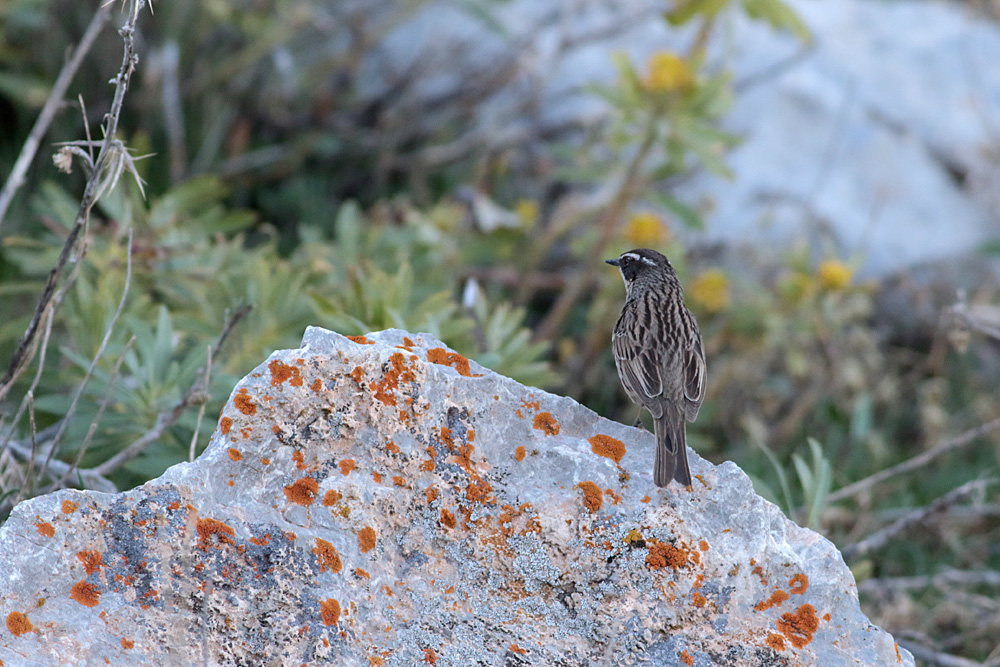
{"x": 291, "y": 174}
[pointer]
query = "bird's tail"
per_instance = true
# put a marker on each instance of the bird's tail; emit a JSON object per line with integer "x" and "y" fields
{"x": 671, "y": 449}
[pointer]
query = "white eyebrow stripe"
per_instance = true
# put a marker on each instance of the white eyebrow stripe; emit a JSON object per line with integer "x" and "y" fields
{"x": 647, "y": 260}
{"x": 632, "y": 255}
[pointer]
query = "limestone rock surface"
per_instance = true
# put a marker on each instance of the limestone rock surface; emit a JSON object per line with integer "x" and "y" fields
{"x": 384, "y": 501}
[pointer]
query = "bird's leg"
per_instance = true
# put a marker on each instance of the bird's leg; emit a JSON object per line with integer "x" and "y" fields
{"x": 638, "y": 421}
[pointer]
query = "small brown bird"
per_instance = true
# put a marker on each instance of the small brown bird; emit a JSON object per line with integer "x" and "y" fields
{"x": 659, "y": 356}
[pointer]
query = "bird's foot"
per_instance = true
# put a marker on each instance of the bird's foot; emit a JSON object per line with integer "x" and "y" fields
{"x": 638, "y": 423}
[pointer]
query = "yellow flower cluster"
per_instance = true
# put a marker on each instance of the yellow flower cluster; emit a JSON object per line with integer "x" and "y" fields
{"x": 710, "y": 290}
{"x": 527, "y": 211}
{"x": 668, "y": 72}
{"x": 646, "y": 230}
{"x": 834, "y": 275}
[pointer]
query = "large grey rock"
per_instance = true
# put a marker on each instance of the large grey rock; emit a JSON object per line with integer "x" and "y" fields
{"x": 386, "y": 502}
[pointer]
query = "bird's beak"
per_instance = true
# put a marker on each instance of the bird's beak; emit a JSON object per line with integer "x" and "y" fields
{"x": 612, "y": 262}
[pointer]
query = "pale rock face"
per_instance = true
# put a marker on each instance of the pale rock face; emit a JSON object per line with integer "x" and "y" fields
{"x": 385, "y": 502}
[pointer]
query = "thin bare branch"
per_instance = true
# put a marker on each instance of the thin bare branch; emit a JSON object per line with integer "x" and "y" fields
{"x": 52, "y": 104}
{"x": 34, "y": 383}
{"x": 30, "y": 471}
{"x": 68, "y": 417}
{"x": 947, "y": 580}
{"x": 610, "y": 221}
{"x": 914, "y": 463}
{"x": 95, "y": 185}
{"x": 201, "y": 410}
{"x": 166, "y": 419}
{"x": 880, "y": 538}
{"x": 87, "y": 478}
{"x": 934, "y": 658}
{"x": 105, "y": 402}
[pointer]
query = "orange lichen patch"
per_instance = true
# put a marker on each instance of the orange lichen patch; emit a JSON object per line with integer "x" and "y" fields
{"x": 127, "y": 644}
{"x": 265, "y": 461}
{"x": 327, "y": 555}
{"x": 592, "y": 496}
{"x": 759, "y": 571}
{"x": 235, "y": 454}
{"x": 800, "y": 626}
{"x": 514, "y": 648}
{"x": 447, "y": 518}
{"x": 68, "y": 506}
{"x": 18, "y": 623}
{"x": 366, "y": 539}
{"x": 531, "y": 405}
{"x": 361, "y": 573}
{"x": 398, "y": 480}
{"x": 92, "y": 561}
{"x": 662, "y": 554}
{"x": 346, "y": 466}
{"x": 360, "y": 340}
{"x": 899, "y": 658}
{"x": 615, "y": 498}
{"x": 699, "y": 600}
{"x": 605, "y": 445}
{"x": 392, "y": 447}
{"x": 377, "y": 477}
{"x": 357, "y": 374}
{"x": 428, "y": 465}
{"x": 432, "y": 493}
{"x": 519, "y": 453}
{"x": 86, "y": 594}
{"x": 331, "y": 498}
{"x": 687, "y": 658}
{"x": 261, "y": 541}
{"x": 430, "y": 657}
{"x": 546, "y": 423}
{"x": 478, "y": 491}
{"x": 775, "y": 641}
{"x": 317, "y": 385}
{"x": 280, "y": 372}
{"x": 826, "y": 617}
{"x": 439, "y": 355}
{"x": 798, "y": 584}
{"x": 703, "y": 545}
{"x": 300, "y": 460}
{"x": 329, "y": 611}
{"x": 390, "y": 381}
{"x": 244, "y": 404}
{"x": 303, "y": 491}
{"x": 777, "y": 597}
{"x": 225, "y": 424}
{"x": 45, "y": 528}
{"x": 207, "y": 528}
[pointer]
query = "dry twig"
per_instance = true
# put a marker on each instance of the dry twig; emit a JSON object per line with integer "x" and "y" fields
{"x": 880, "y": 538}
{"x": 108, "y": 159}
{"x": 917, "y": 461}
{"x": 166, "y": 419}
{"x": 52, "y": 104}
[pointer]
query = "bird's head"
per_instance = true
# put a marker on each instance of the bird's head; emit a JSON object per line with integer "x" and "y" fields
{"x": 637, "y": 265}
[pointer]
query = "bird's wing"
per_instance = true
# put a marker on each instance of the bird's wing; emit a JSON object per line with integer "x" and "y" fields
{"x": 638, "y": 362}
{"x": 694, "y": 374}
